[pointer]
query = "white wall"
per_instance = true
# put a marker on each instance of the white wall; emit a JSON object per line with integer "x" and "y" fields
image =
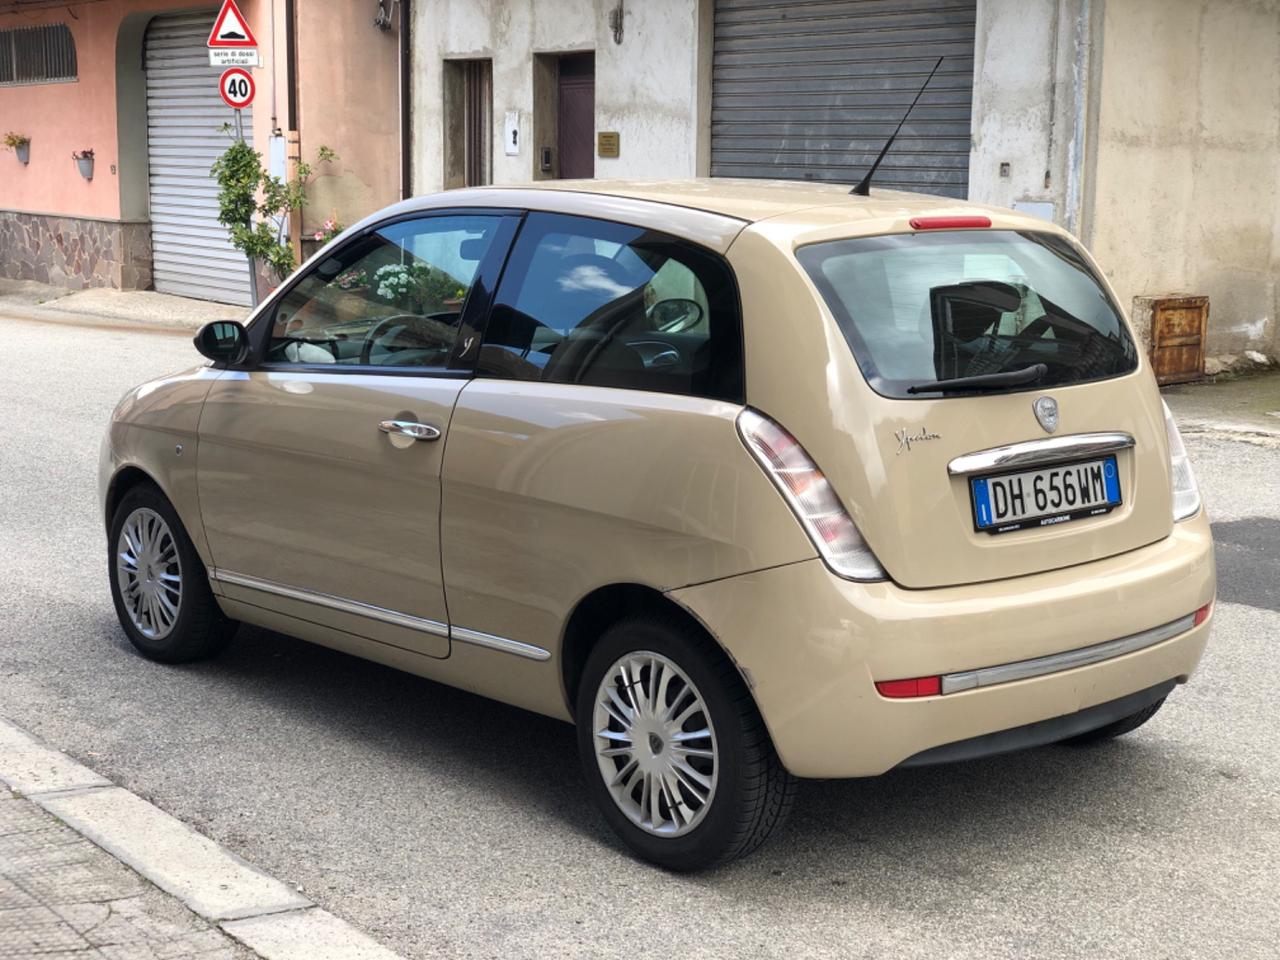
{"x": 646, "y": 87}
{"x": 1186, "y": 190}
{"x": 1158, "y": 122}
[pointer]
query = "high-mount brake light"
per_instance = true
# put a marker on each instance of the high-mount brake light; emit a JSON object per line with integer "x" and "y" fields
{"x": 949, "y": 223}
{"x": 810, "y": 497}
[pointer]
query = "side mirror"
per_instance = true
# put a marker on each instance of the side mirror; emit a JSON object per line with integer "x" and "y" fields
{"x": 223, "y": 341}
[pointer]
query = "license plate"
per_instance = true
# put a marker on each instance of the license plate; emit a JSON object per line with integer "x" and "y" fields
{"x": 1041, "y": 498}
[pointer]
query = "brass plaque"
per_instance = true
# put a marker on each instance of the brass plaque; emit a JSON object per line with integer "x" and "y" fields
{"x": 608, "y": 143}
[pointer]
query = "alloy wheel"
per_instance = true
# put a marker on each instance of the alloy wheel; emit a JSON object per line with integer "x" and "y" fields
{"x": 149, "y": 573}
{"x": 655, "y": 744}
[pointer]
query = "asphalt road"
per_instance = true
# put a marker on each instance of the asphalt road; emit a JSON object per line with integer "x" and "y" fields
{"x": 448, "y": 826}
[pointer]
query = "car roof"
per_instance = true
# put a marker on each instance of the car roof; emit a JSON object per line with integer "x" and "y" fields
{"x": 712, "y": 211}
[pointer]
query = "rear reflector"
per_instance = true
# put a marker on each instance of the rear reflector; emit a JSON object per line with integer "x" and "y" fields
{"x": 949, "y": 223}
{"x": 1203, "y": 613}
{"x": 918, "y": 687}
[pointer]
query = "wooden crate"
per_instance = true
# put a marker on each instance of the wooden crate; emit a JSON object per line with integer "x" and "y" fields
{"x": 1178, "y": 328}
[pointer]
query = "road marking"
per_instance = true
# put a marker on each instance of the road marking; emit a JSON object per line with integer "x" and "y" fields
{"x": 264, "y": 914}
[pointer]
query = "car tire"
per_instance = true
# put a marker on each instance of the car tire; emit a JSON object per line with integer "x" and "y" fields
{"x": 1117, "y": 728}
{"x": 750, "y": 791}
{"x": 158, "y": 583}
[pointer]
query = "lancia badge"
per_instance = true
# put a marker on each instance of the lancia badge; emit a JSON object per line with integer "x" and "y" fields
{"x": 1046, "y": 409}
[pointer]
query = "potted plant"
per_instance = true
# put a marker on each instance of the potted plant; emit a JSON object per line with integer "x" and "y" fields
{"x": 20, "y": 144}
{"x": 84, "y": 160}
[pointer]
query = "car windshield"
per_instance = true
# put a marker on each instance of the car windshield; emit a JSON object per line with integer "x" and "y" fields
{"x": 921, "y": 307}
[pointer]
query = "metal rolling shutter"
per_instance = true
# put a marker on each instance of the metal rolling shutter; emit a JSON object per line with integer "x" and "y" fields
{"x": 193, "y": 256}
{"x": 811, "y": 90}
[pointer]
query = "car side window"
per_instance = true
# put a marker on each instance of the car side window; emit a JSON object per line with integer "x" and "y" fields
{"x": 604, "y": 304}
{"x": 393, "y": 298}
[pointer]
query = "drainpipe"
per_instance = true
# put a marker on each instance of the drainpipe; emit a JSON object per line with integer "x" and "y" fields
{"x": 405, "y": 98}
{"x": 1080, "y": 64}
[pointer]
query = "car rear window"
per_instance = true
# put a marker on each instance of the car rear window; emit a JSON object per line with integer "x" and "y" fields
{"x": 920, "y": 307}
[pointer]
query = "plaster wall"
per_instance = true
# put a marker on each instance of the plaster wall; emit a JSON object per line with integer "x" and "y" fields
{"x": 1152, "y": 128}
{"x": 348, "y": 99}
{"x": 647, "y": 87}
{"x": 1186, "y": 190}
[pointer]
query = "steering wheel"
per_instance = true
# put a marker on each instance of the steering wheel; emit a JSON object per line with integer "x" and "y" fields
{"x": 422, "y": 327}
{"x": 675, "y": 315}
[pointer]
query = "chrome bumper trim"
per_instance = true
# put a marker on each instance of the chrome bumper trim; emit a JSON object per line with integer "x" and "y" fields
{"x": 1038, "y": 452}
{"x": 354, "y": 607}
{"x": 502, "y": 644}
{"x": 1082, "y": 657}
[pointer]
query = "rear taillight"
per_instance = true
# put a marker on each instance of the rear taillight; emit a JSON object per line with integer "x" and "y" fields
{"x": 811, "y": 497}
{"x": 1186, "y": 495}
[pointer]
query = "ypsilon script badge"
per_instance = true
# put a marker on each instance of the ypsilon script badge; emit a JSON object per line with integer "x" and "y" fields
{"x": 1046, "y": 409}
{"x": 906, "y": 438}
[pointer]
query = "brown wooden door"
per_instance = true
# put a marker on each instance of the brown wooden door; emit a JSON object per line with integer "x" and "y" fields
{"x": 1178, "y": 327}
{"x": 576, "y": 123}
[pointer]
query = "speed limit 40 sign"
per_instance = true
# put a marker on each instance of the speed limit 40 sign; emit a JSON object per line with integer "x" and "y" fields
{"x": 237, "y": 87}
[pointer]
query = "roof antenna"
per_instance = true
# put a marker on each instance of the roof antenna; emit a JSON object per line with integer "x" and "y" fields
{"x": 863, "y": 189}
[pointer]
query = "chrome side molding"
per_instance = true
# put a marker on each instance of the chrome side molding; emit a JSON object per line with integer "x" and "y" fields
{"x": 421, "y": 624}
{"x": 1039, "y": 452}
{"x": 1080, "y": 657}
{"x": 502, "y": 644}
{"x": 355, "y": 607}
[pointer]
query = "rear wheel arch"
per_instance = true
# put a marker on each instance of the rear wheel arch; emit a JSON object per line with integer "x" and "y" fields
{"x": 602, "y": 608}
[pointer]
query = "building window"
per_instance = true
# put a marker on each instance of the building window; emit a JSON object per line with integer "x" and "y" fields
{"x": 37, "y": 55}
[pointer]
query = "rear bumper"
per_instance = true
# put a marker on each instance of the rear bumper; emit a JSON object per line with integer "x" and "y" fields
{"x": 813, "y": 645}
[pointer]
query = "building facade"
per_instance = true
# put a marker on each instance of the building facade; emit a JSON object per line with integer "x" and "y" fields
{"x": 130, "y": 80}
{"x": 1130, "y": 122}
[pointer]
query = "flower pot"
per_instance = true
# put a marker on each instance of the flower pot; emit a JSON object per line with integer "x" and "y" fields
{"x": 23, "y": 150}
{"x": 86, "y": 167}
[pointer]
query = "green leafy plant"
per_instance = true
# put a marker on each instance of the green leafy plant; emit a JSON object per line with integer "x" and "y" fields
{"x": 14, "y": 140}
{"x": 254, "y": 205}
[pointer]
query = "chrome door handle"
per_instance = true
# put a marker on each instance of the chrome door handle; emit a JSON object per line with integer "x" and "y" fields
{"x": 407, "y": 428}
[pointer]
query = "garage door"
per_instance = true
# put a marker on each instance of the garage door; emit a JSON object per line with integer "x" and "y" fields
{"x": 811, "y": 90}
{"x": 193, "y": 256}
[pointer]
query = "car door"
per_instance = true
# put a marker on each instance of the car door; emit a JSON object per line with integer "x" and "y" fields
{"x": 597, "y": 443}
{"x": 319, "y": 461}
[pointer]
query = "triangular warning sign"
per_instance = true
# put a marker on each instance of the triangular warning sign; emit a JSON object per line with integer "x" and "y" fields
{"x": 231, "y": 29}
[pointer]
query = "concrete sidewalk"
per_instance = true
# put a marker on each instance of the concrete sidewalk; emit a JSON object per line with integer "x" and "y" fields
{"x": 1236, "y": 407}
{"x": 62, "y": 897}
{"x": 28, "y": 300}
{"x": 90, "y": 870}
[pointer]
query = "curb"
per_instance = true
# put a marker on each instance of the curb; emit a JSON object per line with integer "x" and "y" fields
{"x": 257, "y": 910}
{"x": 53, "y": 315}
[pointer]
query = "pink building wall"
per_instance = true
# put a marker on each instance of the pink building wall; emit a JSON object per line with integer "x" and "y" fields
{"x": 347, "y": 98}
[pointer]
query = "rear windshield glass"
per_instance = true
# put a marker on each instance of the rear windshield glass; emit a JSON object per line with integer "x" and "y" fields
{"x": 922, "y": 307}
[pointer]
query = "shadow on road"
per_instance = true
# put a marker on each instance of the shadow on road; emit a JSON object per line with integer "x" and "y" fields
{"x": 948, "y": 822}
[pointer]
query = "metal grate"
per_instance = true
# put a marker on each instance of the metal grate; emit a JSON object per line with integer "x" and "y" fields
{"x": 37, "y": 55}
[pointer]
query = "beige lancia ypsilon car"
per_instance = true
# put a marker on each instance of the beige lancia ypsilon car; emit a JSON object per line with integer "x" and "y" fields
{"x": 751, "y": 481}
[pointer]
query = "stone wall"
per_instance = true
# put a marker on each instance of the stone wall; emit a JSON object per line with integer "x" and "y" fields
{"x": 75, "y": 253}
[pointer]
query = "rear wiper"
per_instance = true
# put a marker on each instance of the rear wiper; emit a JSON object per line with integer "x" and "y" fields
{"x": 986, "y": 381}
